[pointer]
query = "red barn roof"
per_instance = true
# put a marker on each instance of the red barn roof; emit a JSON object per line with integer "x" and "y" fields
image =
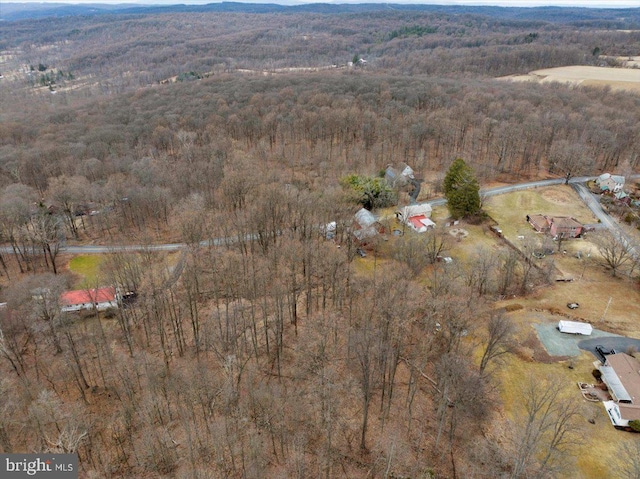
{"x": 82, "y": 296}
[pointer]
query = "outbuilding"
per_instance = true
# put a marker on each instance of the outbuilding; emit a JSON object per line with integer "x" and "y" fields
{"x": 574, "y": 327}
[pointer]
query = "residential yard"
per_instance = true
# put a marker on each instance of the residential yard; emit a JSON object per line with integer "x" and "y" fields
{"x": 461, "y": 250}
{"x": 600, "y": 437}
{"x": 87, "y": 270}
{"x": 610, "y": 304}
{"x": 593, "y": 293}
{"x": 511, "y": 209}
{"x": 518, "y": 368}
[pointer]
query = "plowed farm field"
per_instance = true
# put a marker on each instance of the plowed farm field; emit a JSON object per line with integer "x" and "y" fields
{"x": 615, "y": 78}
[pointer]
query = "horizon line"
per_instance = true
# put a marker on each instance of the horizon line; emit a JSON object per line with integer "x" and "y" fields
{"x": 587, "y": 4}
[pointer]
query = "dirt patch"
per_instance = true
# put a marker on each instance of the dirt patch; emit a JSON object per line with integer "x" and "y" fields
{"x": 533, "y": 347}
{"x": 458, "y": 233}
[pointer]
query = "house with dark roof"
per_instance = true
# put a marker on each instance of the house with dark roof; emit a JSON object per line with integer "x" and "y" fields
{"x": 400, "y": 176}
{"x": 98, "y": 299}
{"x": 621, "y": 374}
{"x": 556, "y": 226}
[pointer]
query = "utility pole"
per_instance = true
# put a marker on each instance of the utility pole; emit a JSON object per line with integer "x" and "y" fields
{"x": 606, "y": 309}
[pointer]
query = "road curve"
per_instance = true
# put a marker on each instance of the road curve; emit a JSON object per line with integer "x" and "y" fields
{"x": 594, "y": 205}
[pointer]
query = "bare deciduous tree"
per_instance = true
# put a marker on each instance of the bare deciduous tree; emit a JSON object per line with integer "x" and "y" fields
{"x": 628, "y": 461}
{"x": 499, "y": 335}
{"x": 461, "y": 396}
{"x": 546, "y": 430}
{"x": 614, "y": 253}
{"x": 570, "y": 158}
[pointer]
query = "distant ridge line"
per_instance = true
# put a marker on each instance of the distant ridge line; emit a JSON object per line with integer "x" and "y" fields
{"x": 23, "y": 11}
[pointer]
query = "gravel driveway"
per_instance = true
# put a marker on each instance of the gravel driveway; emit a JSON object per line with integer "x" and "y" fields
{"x": 562, "y": 344}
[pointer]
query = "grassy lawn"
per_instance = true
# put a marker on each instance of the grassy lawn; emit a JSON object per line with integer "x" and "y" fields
{"x": 87, "y": 270}
{"x": 510, "y": 209}
{"x": 601, "y": 436}
{"x": 595, "y": 290}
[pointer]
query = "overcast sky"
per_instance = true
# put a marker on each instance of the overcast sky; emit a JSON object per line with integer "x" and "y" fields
{"x": 502, "y": 3}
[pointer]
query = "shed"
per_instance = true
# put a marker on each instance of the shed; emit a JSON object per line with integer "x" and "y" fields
{"x": 364, "y": 218}
{"x": 574, "y": 327}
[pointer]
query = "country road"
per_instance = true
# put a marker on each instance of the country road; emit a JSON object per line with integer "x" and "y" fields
{"x": 594, "y": 205}
{"x": 577, "y": 183}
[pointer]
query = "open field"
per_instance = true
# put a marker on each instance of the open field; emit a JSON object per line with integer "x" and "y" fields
{"x": 615, "y": 78}
{"x": 593, "y": 285}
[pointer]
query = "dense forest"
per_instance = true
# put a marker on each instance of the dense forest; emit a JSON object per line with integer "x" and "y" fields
{"x": 274, "y": 350}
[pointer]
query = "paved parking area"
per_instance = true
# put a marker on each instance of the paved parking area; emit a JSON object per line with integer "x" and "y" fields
{"x": 620, "y": 343}
{"x": 562, "y": 344}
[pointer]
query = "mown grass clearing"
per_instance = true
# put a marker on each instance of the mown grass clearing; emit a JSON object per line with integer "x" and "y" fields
{"x": 87, "y": 269}
{"x": 511, "y": 209}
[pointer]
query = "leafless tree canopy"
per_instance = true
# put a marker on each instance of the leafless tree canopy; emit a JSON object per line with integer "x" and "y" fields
{"x": 266, "y": 346}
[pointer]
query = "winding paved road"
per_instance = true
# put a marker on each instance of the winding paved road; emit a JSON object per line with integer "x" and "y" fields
{"x": 577, "y": 183}
{"x": 594, "y": 205}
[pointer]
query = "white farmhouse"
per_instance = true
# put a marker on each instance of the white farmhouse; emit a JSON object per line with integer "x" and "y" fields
{"x": 417, "y": 217}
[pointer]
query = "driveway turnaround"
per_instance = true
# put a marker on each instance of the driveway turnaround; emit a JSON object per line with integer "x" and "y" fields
{"x": 620, "y": 343}
{"x": 563, "y": 344}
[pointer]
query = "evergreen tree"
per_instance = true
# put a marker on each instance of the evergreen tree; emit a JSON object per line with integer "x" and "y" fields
{"x": 461, "y": 190}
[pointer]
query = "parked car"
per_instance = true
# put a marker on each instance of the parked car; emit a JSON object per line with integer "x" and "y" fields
{"x": 361, "y": 253}
{"x": 604, "y": 351}
{"x": 573, "y": 305}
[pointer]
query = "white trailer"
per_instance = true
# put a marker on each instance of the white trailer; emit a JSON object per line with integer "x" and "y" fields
{"x": 574, "y": 327}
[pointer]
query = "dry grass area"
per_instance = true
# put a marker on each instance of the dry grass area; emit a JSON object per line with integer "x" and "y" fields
{"x": 600, "y": 436}
{"x": 594, "y": 288}
{"x": 593, "y": 285}
{"x": 615, "y": 78}
{"x": 461, "y": 250}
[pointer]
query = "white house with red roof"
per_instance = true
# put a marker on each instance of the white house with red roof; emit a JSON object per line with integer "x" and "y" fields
{"x": 89, "y": 299}
{"x": 417, "y": 217}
